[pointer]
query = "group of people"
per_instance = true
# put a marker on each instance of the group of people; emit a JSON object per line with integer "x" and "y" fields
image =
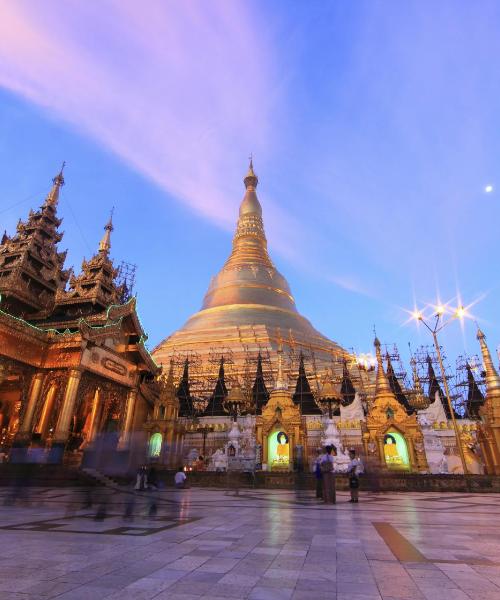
{"x": 324, "y": 470}
{"x": 146, "y": 478}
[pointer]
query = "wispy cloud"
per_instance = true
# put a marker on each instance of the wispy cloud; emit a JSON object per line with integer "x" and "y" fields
{"x": 176, "y": 89}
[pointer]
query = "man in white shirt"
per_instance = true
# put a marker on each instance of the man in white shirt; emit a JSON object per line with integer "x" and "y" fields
{"x": 180, "y": 478}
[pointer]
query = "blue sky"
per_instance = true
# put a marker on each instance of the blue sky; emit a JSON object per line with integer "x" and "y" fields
{"x": 373, "y": 125}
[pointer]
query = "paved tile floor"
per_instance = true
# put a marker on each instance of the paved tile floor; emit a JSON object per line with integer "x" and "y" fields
{"x": 260, "y": 544}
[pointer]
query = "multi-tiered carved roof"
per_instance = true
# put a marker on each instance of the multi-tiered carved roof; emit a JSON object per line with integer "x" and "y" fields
{"x": 94, "y": 289}
{"x": 31, "y": 268}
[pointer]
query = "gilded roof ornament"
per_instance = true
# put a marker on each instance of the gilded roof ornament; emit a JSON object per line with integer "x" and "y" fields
{"x": 105, "y": 243}
{"x": 58, "y": 181}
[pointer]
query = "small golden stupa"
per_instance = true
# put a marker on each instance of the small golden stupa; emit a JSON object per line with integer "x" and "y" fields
{"x": 248, "y": 306}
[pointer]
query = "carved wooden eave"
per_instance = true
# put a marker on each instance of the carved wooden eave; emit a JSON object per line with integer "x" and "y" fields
{"x": 128, "y": 314}
{"x": 149, "y": 393}
{"x": 37, "y": 347}
{"x": 96, "y": 334}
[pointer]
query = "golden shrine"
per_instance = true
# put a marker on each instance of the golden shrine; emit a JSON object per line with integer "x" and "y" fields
{"x": 393, "y": 438}
{"x": 73, "y": 362}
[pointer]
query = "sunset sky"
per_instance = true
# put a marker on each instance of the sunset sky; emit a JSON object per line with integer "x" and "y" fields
{"x": 374, "y": 128}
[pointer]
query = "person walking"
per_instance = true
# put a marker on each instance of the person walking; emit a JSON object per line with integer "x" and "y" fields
{"x": 142, "y": 478}
{"x": 327, "y": 472}
{"x": 318, "y": 475}
{"x": 355, "y": 469}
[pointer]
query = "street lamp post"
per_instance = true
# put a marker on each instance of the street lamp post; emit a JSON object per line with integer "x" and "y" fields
{"x": 439, "y": 325}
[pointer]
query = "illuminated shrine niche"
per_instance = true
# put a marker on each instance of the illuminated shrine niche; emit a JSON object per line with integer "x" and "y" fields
{"x": 278, "y": 450}
{"x": 155, "y": 444}
{"x": 396, "y": 451}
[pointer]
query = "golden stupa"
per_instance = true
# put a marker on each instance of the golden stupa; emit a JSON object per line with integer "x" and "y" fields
{"x": 248, "y": 307}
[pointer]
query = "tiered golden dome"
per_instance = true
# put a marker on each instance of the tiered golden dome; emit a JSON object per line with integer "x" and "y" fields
{"x": 248, "y": 305}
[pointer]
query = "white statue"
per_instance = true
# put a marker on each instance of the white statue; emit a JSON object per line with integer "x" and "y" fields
{"x": 354, "y": 411}
{"x": 434, "y": 452}
{"x": 423, "y": 420}
{"x": 332, "y": 438}
{"x": 248, "y": 442}
{"x": 235, "y": 434}
{"x": 219, "y": 460}
{"x": 434, "y": 413}
{"x": 443, "y": 466}
{"x": 192, "y": 457}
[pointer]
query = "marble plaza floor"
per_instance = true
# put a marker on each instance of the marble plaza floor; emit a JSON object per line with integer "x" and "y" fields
{"x": 260, "y": 544}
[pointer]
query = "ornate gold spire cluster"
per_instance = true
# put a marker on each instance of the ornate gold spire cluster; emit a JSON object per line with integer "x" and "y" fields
{"x": 95, "y": 287}
{"x": 385, "y": 403}
{"x": 417, "y": 399}
{"x": 492, "y": 400}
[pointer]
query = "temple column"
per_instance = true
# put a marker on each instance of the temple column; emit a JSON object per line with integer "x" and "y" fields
{"x": 169, "y": 442}
{"x": 413, "y": 458}
{"x": 68, "y": 407}
{"x": 36, "y": 390}
{"x": 93, "y": 417}
{"x": 43, "y": 421}
{"x": 129, "y": 419}
{"x": 381, "y": 455}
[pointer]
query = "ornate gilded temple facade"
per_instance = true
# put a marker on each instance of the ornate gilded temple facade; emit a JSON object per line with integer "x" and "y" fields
{"x": 246, "y": 384}
{"x": 258, "y": 387}
{"x": 73, "y": 365}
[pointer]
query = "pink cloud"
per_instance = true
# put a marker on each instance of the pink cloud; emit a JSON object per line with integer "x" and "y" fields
{"x": 169, "y": 87}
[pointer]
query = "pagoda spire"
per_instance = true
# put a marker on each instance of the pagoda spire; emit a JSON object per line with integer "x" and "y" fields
{"x": 184, "y": 394}
{"x": 417, "y": 399}
{"x": 57, "y": 183}
{"x": 31, "y": 267}
{"x": 105, "y": 243}
{"x": 382, "y": 385}
{"x": 435, "y": 388}
{"x": 396, "y": 386}
{"x": 490, "y": 412}
{"x": 475, "y": 398}
{"x": 281, "y": 382}
{"x": 169, "y": 383}
{"x": 385, "y": 400}
{"x": 492, "y": 378}
{"x": 249, "y": 242}
{"x": 260, "y": 395}
{"x": 96, "y": 287}
{"x": 215, "y": 406}
{"x": 303, "y": 395}
{"x": 251, "y": 180}
{"x": 347, "y": 389}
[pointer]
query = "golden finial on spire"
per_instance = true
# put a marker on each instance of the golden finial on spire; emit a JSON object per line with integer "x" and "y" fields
{"x": 105, "y": 243}
{"x": 251, "y": 180}
{"x": 57, "y": 183}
